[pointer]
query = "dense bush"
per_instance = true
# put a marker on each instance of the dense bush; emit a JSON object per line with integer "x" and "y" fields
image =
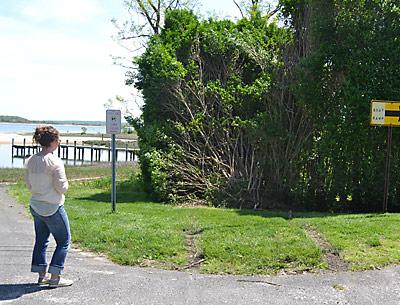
{"x": 213, "y": 120}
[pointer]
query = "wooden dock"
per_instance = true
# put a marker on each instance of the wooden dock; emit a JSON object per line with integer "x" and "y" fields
{"x": 78, "y": 151}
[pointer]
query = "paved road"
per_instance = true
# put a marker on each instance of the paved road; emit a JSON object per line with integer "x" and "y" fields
{"x": 98, "y": 281}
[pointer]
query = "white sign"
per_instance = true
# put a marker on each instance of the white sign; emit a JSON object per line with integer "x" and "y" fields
{"x": 378, "y": 113}
{"x": 113, "y": 121}
{"x": 385, "y": 113}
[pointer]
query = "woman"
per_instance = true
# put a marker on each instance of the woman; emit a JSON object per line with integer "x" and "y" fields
{"x": 47, "y": 182}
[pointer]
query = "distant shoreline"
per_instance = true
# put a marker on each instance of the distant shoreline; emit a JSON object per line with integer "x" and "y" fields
{"x": 14, "y": 119}
{"x": 67, "y": 123}
{"x": 6, "y": 138}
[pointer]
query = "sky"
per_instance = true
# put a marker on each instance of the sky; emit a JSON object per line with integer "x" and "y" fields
{"x": 56, "y": 57}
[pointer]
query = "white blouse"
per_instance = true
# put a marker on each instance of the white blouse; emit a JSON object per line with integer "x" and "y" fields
{"x": 46, "y": 179}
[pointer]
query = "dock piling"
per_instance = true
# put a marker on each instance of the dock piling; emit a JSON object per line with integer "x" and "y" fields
{"x": 22, "y": 151}
{"x": 74, "y": 151}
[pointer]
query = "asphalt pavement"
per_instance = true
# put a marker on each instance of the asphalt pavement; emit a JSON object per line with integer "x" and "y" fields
{"x": 99, "y": 281}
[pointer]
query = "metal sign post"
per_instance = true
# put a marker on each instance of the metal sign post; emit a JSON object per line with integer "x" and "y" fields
{"x": 386, "y": 113}
{"x": 113, "y": 187}
{"x": 113, "y": 126}
{"x": 387, "y": 168}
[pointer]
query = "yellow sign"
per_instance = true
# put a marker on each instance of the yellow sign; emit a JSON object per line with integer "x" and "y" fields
{"x": 385, "y": 113}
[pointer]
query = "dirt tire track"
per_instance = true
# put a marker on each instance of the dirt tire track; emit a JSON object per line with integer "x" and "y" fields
{"x": 331, "y": 255}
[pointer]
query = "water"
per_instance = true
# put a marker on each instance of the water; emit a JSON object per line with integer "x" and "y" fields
{"x": 30, "y": 128}
{"x": 5, "y": 157}
{"x": 6, "y": 160}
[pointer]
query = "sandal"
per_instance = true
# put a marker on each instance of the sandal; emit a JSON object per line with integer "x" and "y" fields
{"x": 60, "y": 282}
{"x": 43, "y": 281}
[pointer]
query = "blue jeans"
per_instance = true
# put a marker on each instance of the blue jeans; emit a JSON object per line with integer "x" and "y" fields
{"x": 58, "y": 225}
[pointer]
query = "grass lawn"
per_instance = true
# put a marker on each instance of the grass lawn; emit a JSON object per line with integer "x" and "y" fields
{"x": 366, "y": 241}
{"x": 230, "y": 241}
{"x": 146, "y": 233}
{"x": 73, "y": 172}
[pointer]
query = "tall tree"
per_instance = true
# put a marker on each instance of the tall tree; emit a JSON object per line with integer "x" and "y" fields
{"x": 352, "y": 59}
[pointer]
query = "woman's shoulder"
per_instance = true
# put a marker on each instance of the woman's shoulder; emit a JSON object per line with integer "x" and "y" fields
{"x": 29, "y": 161}
{"x": 32, "y": 159}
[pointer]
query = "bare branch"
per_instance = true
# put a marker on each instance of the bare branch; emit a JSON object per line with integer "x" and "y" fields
{"x": 155, "y": 9}
{"x": 145, "y": 13}
{"x": 273, "y": 12}
{"x": 134, "y": 36}
{"x": 240, "y": 9}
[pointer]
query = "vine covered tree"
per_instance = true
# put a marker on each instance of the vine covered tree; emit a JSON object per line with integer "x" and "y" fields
{"x": 218, "y": 122}
{"x": 254, "y": 113}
